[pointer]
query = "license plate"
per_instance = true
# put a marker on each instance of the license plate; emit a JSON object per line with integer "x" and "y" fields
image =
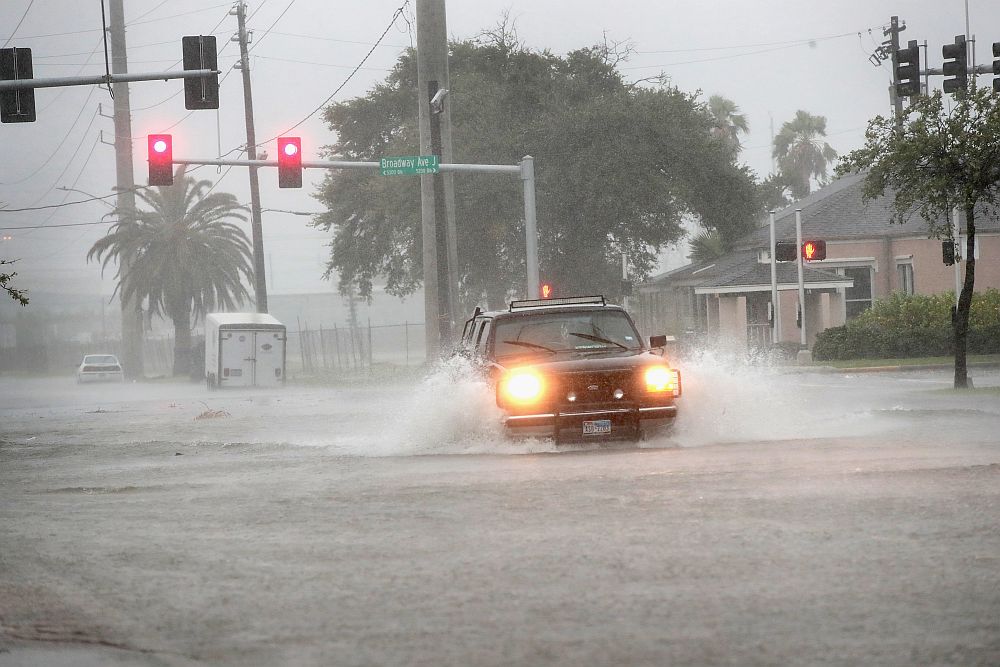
{"x": 597, "y": 427}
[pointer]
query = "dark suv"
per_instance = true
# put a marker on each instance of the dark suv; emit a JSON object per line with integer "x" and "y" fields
{"x": 573, "y": 368}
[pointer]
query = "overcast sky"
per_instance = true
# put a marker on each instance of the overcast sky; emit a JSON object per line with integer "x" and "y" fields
{"x": 772, "y": 57}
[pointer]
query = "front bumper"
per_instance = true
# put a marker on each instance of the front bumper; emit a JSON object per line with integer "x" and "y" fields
{"x": 626, "y": 422}
{"x": 99, "y": 376}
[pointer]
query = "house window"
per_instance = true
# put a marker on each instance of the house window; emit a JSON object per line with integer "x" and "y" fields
{"x": 859, "y": 297}
{"x": 904, "y": 276}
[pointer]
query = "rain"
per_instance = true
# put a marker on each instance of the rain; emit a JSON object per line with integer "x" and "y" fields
{"x": 240, "y": 423}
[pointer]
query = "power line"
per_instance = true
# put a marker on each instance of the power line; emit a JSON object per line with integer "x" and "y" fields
{"x": 40, "y": 208}
{"x": 392, "y": 22}
{"x": 68, "y": 224}
{"x": 65, "y": 137}
{"x": 23, "y": 16}
{"x": 81, "y": 32}
{"x": 332, "y": 39}
{"x": 274, "y": 23}
{"x": 780, "y": 46}
{"x": 790, "y": 42}
{"x": 306, "y": 62}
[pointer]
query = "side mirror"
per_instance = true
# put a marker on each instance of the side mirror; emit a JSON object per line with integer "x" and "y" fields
{"x": 657, "y": 341}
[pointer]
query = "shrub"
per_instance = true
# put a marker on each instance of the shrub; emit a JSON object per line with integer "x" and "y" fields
{"x": 912, "y": 325}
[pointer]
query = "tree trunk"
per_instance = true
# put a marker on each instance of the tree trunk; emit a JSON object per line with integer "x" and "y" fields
{"x": 961, "y": 323}
{"x": 182, "y": 342}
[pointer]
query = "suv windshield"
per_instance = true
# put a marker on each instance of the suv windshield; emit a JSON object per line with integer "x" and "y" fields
{"x": 558, "y": 332}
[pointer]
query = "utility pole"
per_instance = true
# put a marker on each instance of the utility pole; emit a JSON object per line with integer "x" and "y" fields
{"x": 125, "y": 179}
{"x": 437, "y": 195}
{"x": 259, "y": 284}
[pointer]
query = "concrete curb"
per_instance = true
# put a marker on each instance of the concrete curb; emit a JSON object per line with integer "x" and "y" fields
{"x": 898, "y": 368}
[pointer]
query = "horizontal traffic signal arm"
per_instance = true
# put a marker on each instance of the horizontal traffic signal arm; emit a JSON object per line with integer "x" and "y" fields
{"x": 60, "y": 81}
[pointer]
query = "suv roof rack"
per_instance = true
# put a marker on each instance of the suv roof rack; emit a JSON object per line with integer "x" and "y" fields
{"x": 596, "y": 300}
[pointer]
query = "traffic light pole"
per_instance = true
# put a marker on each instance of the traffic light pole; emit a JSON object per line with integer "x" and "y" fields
{"x": 525, "y": 170}
{"x": 775, "y": 311}
{"x": 802, "y": 287}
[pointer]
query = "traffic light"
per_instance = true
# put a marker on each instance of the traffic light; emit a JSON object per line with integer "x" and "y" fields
{"x": 784, "y": 251}
{"x": 948, "y": 252}
{"x": 908, "y": 70}
{"x": 996, "y": 66}
{"x": 813, "y": 251}
{"x": 289, "y": 162}
{"x": 956, "y": 65}
{"x": 545, "y": 290}
{"x": 16, "y": 106}
{"x": 200, "y": 53}
{"x": 161, "y": 159}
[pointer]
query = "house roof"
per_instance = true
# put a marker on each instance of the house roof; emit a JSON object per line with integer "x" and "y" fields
{"x": 834, "y": 212}
{"x": 839, "y": 212}
{"x": 741, "y": 271}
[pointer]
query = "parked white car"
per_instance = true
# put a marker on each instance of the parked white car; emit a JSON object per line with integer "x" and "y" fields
{"x": 100, "y": 368}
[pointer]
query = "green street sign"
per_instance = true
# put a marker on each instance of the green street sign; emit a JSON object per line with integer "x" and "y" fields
{"x": 409, "y": 165}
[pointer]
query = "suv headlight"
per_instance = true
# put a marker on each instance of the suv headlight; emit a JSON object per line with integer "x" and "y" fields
{"x": 522, "y": 386}
{"x": 662, "y": 380}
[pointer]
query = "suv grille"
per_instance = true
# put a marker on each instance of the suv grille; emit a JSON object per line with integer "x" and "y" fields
{"x": 592, "y": 388}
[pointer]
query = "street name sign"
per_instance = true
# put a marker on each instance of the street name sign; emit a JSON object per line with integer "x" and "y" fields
{"x": 409, "y": 165}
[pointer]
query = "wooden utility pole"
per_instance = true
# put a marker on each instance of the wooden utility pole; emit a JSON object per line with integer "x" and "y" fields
{"x": 256, "y": 227}
{"x": 132, "y": 358}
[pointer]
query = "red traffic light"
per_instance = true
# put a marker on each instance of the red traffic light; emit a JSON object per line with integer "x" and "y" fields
{"x": 545, "y": 291}
{"x": 161, "y": 159}
{"x": 289, "y": 162}
{"x": 813, "y": 250}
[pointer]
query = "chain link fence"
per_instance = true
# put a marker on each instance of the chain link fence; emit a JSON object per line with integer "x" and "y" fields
{"x": 343, "y": 348}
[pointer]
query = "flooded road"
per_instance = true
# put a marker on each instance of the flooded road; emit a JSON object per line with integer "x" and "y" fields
{"x": 789, "y": 518}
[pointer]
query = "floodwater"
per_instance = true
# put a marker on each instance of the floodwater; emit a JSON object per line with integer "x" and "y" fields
{"x": 452, "y": 412}
{"x": 789, "y": 518}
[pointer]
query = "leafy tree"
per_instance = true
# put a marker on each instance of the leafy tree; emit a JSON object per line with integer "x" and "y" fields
{"x": 21, "y": 296}
{"x": 774, "y": 191}
{"x": 187, "y": 258}
{"x": 727, "y": 121}
{"x": 617, "y": 166}
{"x": 801, "y": 153}
{"x": 935, "y": 161}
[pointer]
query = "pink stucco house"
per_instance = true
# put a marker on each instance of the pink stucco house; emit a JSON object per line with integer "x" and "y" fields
{"x": 867, "y": 258}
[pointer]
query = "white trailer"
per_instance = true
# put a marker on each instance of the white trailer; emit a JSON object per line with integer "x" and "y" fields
{"x": 244, "y": 350}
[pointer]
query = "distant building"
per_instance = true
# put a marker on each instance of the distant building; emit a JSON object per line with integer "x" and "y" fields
{"x": 867, "y": 258}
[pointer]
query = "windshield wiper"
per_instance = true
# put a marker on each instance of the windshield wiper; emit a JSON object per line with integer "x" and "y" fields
{"x": 598, "y": 339}
{"x": 525, "y": 343}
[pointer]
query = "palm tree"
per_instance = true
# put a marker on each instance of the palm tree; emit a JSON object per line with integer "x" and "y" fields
{"x": 186, "y": 258}
{"x": 707, "y": 245}
{"x": 800, "y": 152}
{"x": 727, "y": 122}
